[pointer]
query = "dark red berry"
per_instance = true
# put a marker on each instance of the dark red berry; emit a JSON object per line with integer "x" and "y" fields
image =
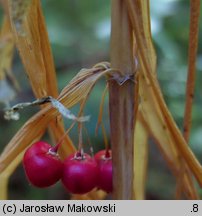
{"x": 42, "y": 165}
{"x": 104, "y": 161}
{"x": 79, "y": 173}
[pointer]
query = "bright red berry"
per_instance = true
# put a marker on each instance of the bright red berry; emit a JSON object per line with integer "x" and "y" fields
{"x": 79, "y": 173}
{"x": 42, "y": 165}
{"x": 104, "y": 160}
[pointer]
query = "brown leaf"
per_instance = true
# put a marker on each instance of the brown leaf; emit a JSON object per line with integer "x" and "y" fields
{"x": 34, "y": 46}
{"x": 32, "y": 41}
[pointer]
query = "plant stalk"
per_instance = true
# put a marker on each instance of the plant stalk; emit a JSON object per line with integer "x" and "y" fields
{"x": 121, "y": 102}
{"x": 191, "y": 76}
{"x": 193, "y": 47}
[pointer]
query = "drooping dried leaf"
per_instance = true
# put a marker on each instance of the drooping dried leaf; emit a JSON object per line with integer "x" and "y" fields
{"x": 73, "y": 93}
{"x": 76, "y": 91}
{"x": 160, "y": 133}
{"x": 154, "y": 109}
{"x": 151, "y": 88}
{"x": 164, "y": 129}
{"x": 32, "y": 41}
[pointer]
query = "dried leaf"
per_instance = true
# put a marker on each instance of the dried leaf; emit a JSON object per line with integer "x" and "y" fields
{"x": 76, "y": 91}
{"x": 139, "y": 12}
{"x": 34, "y": 46}
{"x": 32, "y": 41}
{"x": 154, "y": 108}
{"x": 73, "y": 93}
{"x": 5, "y": 175}
{"x": 12, "y": 111}
{"x": 19, "y": 9}
{"x": 140, "y": 159}
{"x": 160, "y": 130}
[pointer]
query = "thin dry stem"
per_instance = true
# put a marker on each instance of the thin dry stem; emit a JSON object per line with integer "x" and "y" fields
{"x": 192, "y": 55}
{"x": 193, "y": 46}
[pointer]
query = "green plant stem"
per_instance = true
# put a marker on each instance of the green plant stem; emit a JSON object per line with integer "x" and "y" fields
{"x": 121, "y": 102}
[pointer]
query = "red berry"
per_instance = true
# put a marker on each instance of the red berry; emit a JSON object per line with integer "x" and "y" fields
{"x": 104, "y": 161}
{"x": 79, "y": 173}
{"x": 103, "y": 154}
{"x": 42, "y": 166}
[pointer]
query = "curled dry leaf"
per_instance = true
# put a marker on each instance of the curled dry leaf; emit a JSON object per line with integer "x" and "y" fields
{"x": 11, "y": 112}
{"x": 73, "y": 93}
{"x": 35, "y": 127}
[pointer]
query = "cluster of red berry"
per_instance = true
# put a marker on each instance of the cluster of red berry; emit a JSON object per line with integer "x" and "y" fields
{"x": 79, "y": 172}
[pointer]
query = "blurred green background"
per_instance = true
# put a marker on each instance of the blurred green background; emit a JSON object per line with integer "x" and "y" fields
{"x": 79, "y": 33}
